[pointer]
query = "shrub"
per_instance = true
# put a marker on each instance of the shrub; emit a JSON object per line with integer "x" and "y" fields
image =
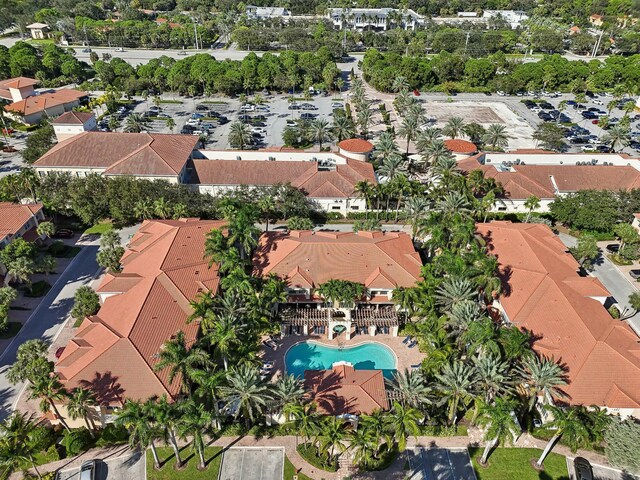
{"x": 310, "y": 454}
{"x": 112, "y": 435}
{"x": 334, "y": 216}
{"x": 621, "y": 445}
{"x": 76, "y": 441}
{"x": 57, "y": 248}
{"x": 86, "y": 302}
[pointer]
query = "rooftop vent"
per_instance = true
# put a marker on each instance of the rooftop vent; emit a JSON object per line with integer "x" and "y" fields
{"x": 238, "y": 157}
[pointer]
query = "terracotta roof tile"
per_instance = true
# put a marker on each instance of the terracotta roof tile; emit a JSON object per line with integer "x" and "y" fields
{"x": 457, "y": 145}
{"x": 13, "y": 216}
{"x": 344, "y": 390}
{"x": 18, "y": 82}
{"x": 546, "y": 296}
{"x": 163, "y": 269}
{"x": 39, "y": 103}
{"x": 370, "y": 258}
{"x": 72, "y": 118}
{"x": 356, "y": 145}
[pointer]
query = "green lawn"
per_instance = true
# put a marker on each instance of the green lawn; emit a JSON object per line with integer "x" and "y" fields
{"x": 190, "y": 471}
{"x": 98, "y": 229}
{"x": 12, "y": 330}
{"x": 290, "y": 471}
{"x": 514, "y": 463}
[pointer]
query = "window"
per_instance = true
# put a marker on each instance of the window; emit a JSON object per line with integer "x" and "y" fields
{"x": 355, "y": 207}
{"x": 502, "y": 209}
{"x": 335, "y": 207}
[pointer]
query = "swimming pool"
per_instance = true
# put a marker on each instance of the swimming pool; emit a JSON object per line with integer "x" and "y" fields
{"x": 312, "y": 355}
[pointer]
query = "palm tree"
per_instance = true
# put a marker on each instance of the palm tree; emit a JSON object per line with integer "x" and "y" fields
{"x": 392, "y": 167}
{"x": 81, "y": 404}
{"x": 134, "y": 417}
{"x": 434, "y": 152}
{"x": 542, "y": 377}
{"x": 171, "y": 124}
{"x": 399, "y": 83}
{"x": 21, "y": 270}
{"x": 288, "y": 390}
{"x": 194, "y": 420}
{"x": 617, "y": 137}
{"x": 453, "y": 291}
{"x": 243, "y": 231}
{"x": 385, "y": 147}
{"x": 531, "y": 204}
{"x": 179, "y": 211}
{"x": 569, "y": 424}
{"x": 363, "y": 442}
{"x": 247, "y": 395}
{"x": 143, "y": 209}
{"x": 135, "y": 123}
{"x": 364, "y": 189}
{"x": 402, "y": 422}
{"x": 500, "y": 423}
{"x": 113, "y": 124}
{"x": 331, "y": 436}
{"x": 342, "y": 127}
{"x": 409, "y": 129}
{"x": 416, "y": 208}
{"x": 49, "y": 390}
{"x": 320, "y": 131}
{"x": 305, "y": 420}
{"x": 225, "y": 334}
{"x": 161, "y": 208}
{"x": 492, "y": 377}
{"x": 181, "y": 360}
{"x": 455, "y": 384}
{"x": 365, "y": 116}
{"x": 20, "y": 441}
{"x": 411, "y": 387}
{"x": 496, "y": 136}
{"x": 208, "y": 390}
{"x": 454, "y": 127}
{"x": 168, "y": 418}
{"x": 239, "y": 135}
{"x": 267, "y": 206}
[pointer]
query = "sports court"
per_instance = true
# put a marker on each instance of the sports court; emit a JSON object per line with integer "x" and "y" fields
{"x": 440, "y": 464}
{"x": 248, "y": 463}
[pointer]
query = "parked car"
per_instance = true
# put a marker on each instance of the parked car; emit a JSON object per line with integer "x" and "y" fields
{"x": 63, "y": 233}
{"x": 582, "y": 468}
{"x": 88, "y": 470}
{"x": 598, "y": 102}
{"x": 247, "y": 108}
{"x": 258, "y": 130}
{"x": 337, "y": 105}
{"x": 119, "y": 49}
{"x": 613, "y": 248}
{"x": 635, "y": 273}
{"x": 197, "y": 115}
{"x": 86, "y": 50}
{"x": 202, "y": 108}
{"x": 307, "y": 116}
{"x": 182, "y": 52}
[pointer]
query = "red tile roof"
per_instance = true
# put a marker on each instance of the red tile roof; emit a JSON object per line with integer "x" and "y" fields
{"x": 457, "y": 145}
{"x": 18, "y": 82}
{"x": 163, "y": 270}
{"x": 13, "y": 216}
{"x": 546, "y": 296}
{"x": 72, "y": 118}
{"x": 39, "y": 103}
{"x": 137, "y": 154}
{"x": 522, "y": 181}
{"x": 343, "y": 390}
{"x": 308, "y": 259}
{"x": 356, "y": 145}
{"x": 306, "y": 176}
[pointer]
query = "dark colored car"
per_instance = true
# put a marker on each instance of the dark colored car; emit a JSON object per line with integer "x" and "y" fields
{"x": 613, "y": 248}
{"x": 63, "y": 233}
{"x": 88, "y": 470}
{"x": 635, "y": 273}
{"x": 583, "y": 469}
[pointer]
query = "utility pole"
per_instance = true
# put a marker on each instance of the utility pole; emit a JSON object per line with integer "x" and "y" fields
{"x": 195, "y": 32}
{"x": 86, "y": 40}
{"x": 466, "y": 43}
{"x": 596, "y": 47}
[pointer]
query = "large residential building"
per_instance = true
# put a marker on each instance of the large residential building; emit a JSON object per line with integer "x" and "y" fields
{"x": 513, "y": 17}
{"x": 141, "y": 155}
{"x": 329, "y": 179}
{"x": 19, "y": 221}
{"x": 565, "y": 314}
{"x": 546, "y": 175}
{"x": 28, "y": 106}
{"x": 114, "y": 352}
{"x": 263, "y": 13}
{"x": 379, "y": 19}
{"x": 71, "y": 124}
{"x": 379, "y": 261}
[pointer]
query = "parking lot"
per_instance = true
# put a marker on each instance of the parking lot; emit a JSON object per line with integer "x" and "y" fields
{"x": 12, "y": 162}
{"x": 440, "y": 464}
{"x": 246, "y": 463}
{"x": 126, "y": 467}
{"x": 601, "y": 473}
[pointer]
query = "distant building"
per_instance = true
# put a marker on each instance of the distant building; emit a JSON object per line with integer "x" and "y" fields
{"x": 574, "y": 30}
{"x": 70, "y": 124}
{"x": 596, "y": 20}
{"x": 17, "y": 89}
{"x": 512, "y": 17}
{"x": 355, "y": 148}
{"x": 263, "y": 13}
{"x": 18, "y": 221}
{"x": 467, "y": 14}
{"x": 39, "y": 31}
{"x": 380, "y": 19}
{"x": 460, "y": 148}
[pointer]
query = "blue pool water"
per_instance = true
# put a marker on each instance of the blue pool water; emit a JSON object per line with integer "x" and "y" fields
{"x": 315, "y": 356}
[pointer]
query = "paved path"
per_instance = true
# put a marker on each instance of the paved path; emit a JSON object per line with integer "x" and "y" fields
{"x": 617, "y": 284}
{"x": 47, "y": 319}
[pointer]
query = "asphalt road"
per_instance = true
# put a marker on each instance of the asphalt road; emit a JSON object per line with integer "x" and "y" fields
{"x": 601, "y": 473}
{"x": 126, "y": 467}
{"x": 614, "y": 281}
{"x": 47, "y": 319}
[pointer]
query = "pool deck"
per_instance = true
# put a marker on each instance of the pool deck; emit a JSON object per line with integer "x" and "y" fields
{"x": 406, "y": 356}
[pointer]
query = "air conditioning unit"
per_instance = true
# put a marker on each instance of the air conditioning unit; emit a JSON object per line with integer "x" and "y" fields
{"x": 594, "y": 161}
{"x": 518, "y": 161}
{"x": 606, "y": 163}
{"x": 272, "y": 159}
{"x": 238, "y": 157}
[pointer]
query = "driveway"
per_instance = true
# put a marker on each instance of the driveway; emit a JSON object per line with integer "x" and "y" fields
{"x": 617, "y": 284}
{"x": 246, "y": 463}
{"x": 127, "y": 467}
{"x": 440, "y": 464}
{"x": 602, "y": 473}
{"x": 47, "y": 319}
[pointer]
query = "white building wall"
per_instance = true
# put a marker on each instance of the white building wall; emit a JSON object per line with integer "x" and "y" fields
{"x": 269, "y": 156}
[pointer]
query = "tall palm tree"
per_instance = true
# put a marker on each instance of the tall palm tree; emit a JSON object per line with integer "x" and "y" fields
{"x": 81, "y": 404}
{"x": 500, "y": 423}
{"x": 454, "y": 127}
{"x": 135, "y": 123}
{"x": 20, "y": 270}
{"x": 305, "y": 420}
{"x": 161, "y": 208}
{"x": 409, "y": 129}
{"x": 453, "y": 291}
{"x": 365, "y": 115}
{"x": 531, "y": 204}
{"x": 402, "y": 422}
{"x": 167, "y": 417}
{"x": 496, "y": 136}
{"x": 225, "y": 335}
{"x": 246, "y": 393}
{"x": 411, "y": 387}
{"x": 208, "y": 391}
{"x": 416, "y": 209}
{"x": 426, "y": 137}
{"x": 49, "y": 390}
{"x": 243, "y": 232}
{"x": 617, "y": 137}
{"x": 143, "y": 209}
{"x": 342, "y": 127}
{"x": 385, "y": 147}
{"x": 194, "y": 420}
{"x": 320, "y": 131}
{"x": 392, "y": 167}
{"x": 400, "y": 83}
{"x": 434, "y": 152}
{"x": 181, "y": 360}
{"x": 364, "y": 189}
{"x": 239, "y": 135}
{"x": 363, "y": 442}
{"x": 455, "y": 384}
{"x": 20, "y": 441}
{"x": 287, "y": 390}
{"x": 544, "y": 377}
{"x": 492, "y": 377}
{"x": 570, "y": 425}
{"x": 331, "y": 437}
{"x": 134, "y": 417}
